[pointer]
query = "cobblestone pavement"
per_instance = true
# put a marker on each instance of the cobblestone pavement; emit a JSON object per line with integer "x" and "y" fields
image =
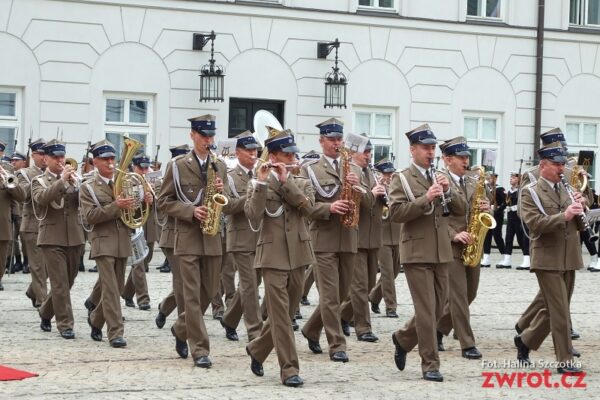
{"x": 149, "y": 368}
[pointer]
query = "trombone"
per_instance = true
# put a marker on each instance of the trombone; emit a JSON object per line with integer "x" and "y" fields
{"x": 7, "y": 180}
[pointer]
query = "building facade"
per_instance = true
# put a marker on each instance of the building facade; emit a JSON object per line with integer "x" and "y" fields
{"x": 88, "y": 69}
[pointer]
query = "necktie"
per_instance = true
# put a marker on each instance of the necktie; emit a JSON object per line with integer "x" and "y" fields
{"x": 428, "y": 176}
{"x": 250, "y": 173}
{"x": 336, "y": 166}
{"x": 110, "y": 184}
{"x": 557, "y": 189}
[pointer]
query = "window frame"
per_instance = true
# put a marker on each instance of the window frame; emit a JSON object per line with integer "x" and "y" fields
{"x": 378, "y": 141}
{"x": 395, "y": 9}
{"x": 582, "y": 15}
{"x": 481, "y": 116}
{"x": 581, "y": 122}
{"x": 501, "y": 18}
{"x": 125, "y": 128}
{"x": 13, "y": 122}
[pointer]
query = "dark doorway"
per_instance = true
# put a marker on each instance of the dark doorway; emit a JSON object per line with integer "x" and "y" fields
{"x": 241, "y": 113}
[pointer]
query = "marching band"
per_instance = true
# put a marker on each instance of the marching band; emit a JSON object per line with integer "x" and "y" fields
{"x": 333, "y": 218}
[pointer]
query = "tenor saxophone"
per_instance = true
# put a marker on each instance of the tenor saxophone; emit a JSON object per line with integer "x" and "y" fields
{"x": 213, "y": 201}
{"x": 479, "y": 224}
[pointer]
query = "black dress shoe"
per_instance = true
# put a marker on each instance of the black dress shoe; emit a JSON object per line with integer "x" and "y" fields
{"x": 399, "y": 354}
{"x": 203, "y": 362}
{"x": 1, "y": 285}
{"x": 569, "y": 370}
{"x": 118, "y": 342}
{"x": 522, "y": 351}
{"x": 305, "y": 301}
{"x": 575, "y": 353}
{"x": 166, "y": 269}
{"x": 129, "y": 302}
{"x": 93, "y": 269}
{"x": 81, "y": 267}
{"x": 68, "y": 334}
{"x": 368, "y": 337}
{"x": 45, "y": 325}
{"x": 255, "y": 366}
{"x": 96, "y": 333}
{"x": 26, "y": 269}
{"x": 181, "y": 346}
{"x": 89, "y": 305}
{"x": 440, "y": 343}
{"x": 339, "y": 356}
{"x": 375, "y": 308}
{"x": 218, "y": 316}
{"x": 433, "y": 376}
{"x": 295, "y": 325}
{"x": 293, "y": 381}
{"x": 485, "y": 265}
{"x": 313, "y": 345}
{"x": 297, "y": 315}
{"x": 519, "y": 330}
{"x": 160, "y": 320}
{"x": 144, "y": 307}
{"x": 391, "y": 314}
{"x": 230, "y": 333}
{"x": 471, "y": 353}
{"x": 345, "y": 328}
{"x": 574, "y": 335}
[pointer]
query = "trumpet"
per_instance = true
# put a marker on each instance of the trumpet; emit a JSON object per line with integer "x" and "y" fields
{"x": 7, "y": 179}
{"x": 75, "y": 178}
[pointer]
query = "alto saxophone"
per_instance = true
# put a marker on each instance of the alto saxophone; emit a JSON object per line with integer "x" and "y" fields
{"x": 479, "y": 224}
{"x": 213, "y": 201}
{"x": 351, "y": 193}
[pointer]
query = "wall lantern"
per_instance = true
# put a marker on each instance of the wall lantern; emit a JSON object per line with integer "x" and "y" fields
{"x": 212, "y": 77}
{"x": 335, "y": 81}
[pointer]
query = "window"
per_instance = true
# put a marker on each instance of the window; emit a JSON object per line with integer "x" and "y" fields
{"x": 484, "y": 8}
{"x": 9, "y": 117}
{"x": 379, "y": 125}
{"x": 128, "y": 116}
{"x": 482, "y": 133}
{"x": 379, "y": 5}
{"x": 582, "y": 133}
{"x": 584, "y": 12}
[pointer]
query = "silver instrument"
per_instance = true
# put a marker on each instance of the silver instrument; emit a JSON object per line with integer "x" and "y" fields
{"x": 139, "y": 247}
{"x": 583, "y": 223}
{"x": 7, "y": 180}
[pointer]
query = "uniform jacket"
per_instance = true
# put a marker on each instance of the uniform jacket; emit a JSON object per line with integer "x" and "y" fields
{"x": 28, "y": 222}
{"x": 109, "y": 235}
{"x": 327, "y": 231}
{"x": 555, "y": 244}
{"x": 60, "y": 227}
{"x": 424, "y": 237}
{"x": 189, "y": 239}
{"x": 283, "y": 242}
{"x": 7, "y": 198}
{"x": 239, "y": 235}
{"x": 459, "y": 223}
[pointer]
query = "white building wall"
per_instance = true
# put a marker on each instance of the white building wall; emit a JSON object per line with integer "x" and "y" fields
{"x": 65, "y": 55}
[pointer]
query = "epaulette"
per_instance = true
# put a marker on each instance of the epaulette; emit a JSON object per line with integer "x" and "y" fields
{"x": 179, "y": 157}
{"x": 311, "y": 162}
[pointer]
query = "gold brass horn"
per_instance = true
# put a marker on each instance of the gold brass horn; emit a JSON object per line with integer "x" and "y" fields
{"x": 71, "y": 161}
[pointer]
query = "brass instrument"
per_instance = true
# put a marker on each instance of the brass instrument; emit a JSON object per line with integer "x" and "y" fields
{"x": 479, "y": 223}
{"x": 351, "y": 193}
{"x": 213, "y": 201}
{"x": 76, "y": 178}
{"x": 131, "y": 185}
{"x": 265, "y": 126}
{"x": 7, "y": 180}
{"x": 579, "y": 176}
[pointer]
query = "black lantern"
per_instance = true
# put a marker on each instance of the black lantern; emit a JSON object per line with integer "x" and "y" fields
{"x": 212, "y": 77}
{"x": 335, "y": 81}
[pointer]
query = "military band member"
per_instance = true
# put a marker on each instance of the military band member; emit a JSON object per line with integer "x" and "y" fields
{"x": 136, "y": 280}
{"x": 18, "y": 161}
{"x": 60, "y": 237}
{"x": 369, "y": 241}
{"x": 389, "y": 254}
{"x": 335, "y": 245}
{"x": 555, "y": 255}
{"x": 241, "y": 243}
{"x": 463, "y": 281}
{"x": 416, "y": 201}
{"x": 9, "y": 193}
{"x": 514, "y": 226}
{"x": 279, "y": 202}
{"x": 37, "y": 290}
{"x": 110, "y": 242}
{"x": 181, "y": 197}
{"x": 174, "y": 300}
{"x": 497, "y": 196}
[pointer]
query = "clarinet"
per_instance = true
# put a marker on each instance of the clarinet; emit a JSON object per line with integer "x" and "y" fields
{"x": 580, "y": 217}
{"x": 445, "y": 209}
{"x": 384, "y": 198}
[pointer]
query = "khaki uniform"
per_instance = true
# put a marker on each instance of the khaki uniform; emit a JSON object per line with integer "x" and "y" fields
{"x": 389, "y": 265}
{"x": 7, "y": 197}
{"x": 555, "y": 255}
{"x": 241, "y": 244}
{"x": 110, "y": 246}
{"x": 167, "y": 244}
{"x": 425, "y": 251}
{"x": 199, "y": 254}
{"x": 335, "y": 251}
{"x": 62, "y": 242}
{"x": 283, "y": 251}
{"x": 38, "y": 289}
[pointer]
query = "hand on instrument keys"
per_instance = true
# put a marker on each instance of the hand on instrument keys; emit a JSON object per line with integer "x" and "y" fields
{"x": 340, "y": 207}
{"x": 434, "y": 191}
{"x": 442, "y": 180}
{"x": 352, "y": 178}
{"x": 200, "y": 213}
{"x": 573, "y": 210}
{"x": 484, "y": 206}
{"x": 148, "y": 198}
{"x": 463, "y": 237}
{"x": 125, "y": 203}
{"x": 263, "y": 172}
{"x": 66, "y": 173}
{"x": 281, "y": 171}
{"x": 378, "y": 190}
{"x": 579, "y": 198}
{"x": 219, "y": 185}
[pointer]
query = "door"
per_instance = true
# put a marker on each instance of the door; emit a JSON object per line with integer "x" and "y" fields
{"x": 241, "y": 113}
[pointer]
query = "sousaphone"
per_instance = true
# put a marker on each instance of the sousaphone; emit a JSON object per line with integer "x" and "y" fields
{"x": 265, "y": 127}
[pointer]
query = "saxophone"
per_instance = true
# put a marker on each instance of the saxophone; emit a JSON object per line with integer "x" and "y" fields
{"x": 350, "y": 193}
{"x": 479, "y": 223}
{"x": 213, "y": 201}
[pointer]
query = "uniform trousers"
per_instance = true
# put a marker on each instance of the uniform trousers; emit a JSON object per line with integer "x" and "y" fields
{"x": 283, "y": 289}
{"x": 245, "y": 299}
{"x": 309, "y": 279}
{"x": 556, "y": 288}
{"x": 389, "y": 265}
{"x": 111, "y": 271}
{"x": 175, "y": 298}
{"x": 38, "y": 288}
{"x": 514, "y": 227}
{"x": 64, "y": 266}
{"x": 226, "y": 284}
{"x": 496, "y": 233}
{"x": 4, "y": 249}
{"x": 428, "y": 285}
{"x": 136, "y": 280}
{"x": 463, "y": 283}
{"x": 200, "y": 278}
{"x": 333, "y": 277}
{"x": 356, "y": 307}
{"x": 531, "y": 311}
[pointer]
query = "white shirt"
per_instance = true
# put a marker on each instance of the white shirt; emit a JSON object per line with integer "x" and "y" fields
{"x": 551, "y": 184}
{"x": 422, "y": 170}
{"x": 330, "y": 160}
